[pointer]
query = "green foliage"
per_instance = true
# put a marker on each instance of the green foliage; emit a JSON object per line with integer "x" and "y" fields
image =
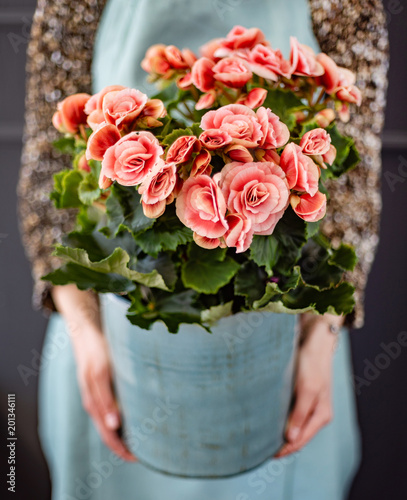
{"x": 206, "y": 271}
{"x": 88, "y": 190}
{"x": 347, "y": 156}
{"x": 115, "y": 248}
{"x": 167, "y": 234}
{"x": 65, "y": 193}
{"x": 284, "y": 103}
{"x": 114, "y": 264}
{"x": 124, "y": 212}
{"x": 250, "y": 282}
{"x": 173, "y": 309}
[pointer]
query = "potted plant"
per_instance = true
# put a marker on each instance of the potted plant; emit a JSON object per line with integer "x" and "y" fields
{"x": 198, "y": 214}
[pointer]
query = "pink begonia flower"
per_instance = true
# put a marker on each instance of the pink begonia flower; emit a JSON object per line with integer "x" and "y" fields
{"x": 131, "y": 158}
{"x": 350, "y": 94}
{"x": 240, "y": 232}
{"x": 122, "y": 107}
{"x": 275, "y": 132}
{"x": 176, "y": 58}
{"x": 201, "y": 164}
{"x": 315, "y": 142}
{"x": 206, "y": 101}
{"x": 330, "y": 78}
{"x": 83, "y": 164}
{"x": 303, "y": 60}
{"x": 254, "y": 98}
{"x": 182, "y": 149}
{"x": 325, "y": 117}
{"x": 102, "y": 138}
{"x": 214, "y": 138}
{"x": 232, "y": 72}
{"x": 184, "y": 82}
{"x": 202, "y": 74}
{"x": 96, "y": 101}
{"x": 208, "y": 50}
{"x": 104, "y": 182}
{"x": 267, "y": 63}
{"x": 157, "y": 187}
{"x": 267, "y": 155}
{"x": 330, "y": 156}
{"x": 155, "y": 61}
{"x": 207, "y": 243}
{"x": 200, "y": 205}
{"x": 71, "y": 113}
{"x": 154, "y": 108}
{"x": 258, "y": 191}
{"x": 302, "y": 173}
{"x": 239, "y": 153}
{"x": 310, "y": 208}
{"x": 239, "y": 121}
{"x": 240, "y": 38}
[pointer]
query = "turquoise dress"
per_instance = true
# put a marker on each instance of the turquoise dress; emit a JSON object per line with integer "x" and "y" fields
{"x": 81, "y": 467}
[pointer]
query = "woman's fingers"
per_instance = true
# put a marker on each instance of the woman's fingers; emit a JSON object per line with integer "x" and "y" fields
{"x": 107, "y": 417}
{"x": 320, "y": 417}
{"x": 306, "y": 398}
{"x": 94, "y": 390}
{"x": 106, "y": 400}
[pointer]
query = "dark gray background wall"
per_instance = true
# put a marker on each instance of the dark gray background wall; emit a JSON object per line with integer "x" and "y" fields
{"x": 382, "y": 393}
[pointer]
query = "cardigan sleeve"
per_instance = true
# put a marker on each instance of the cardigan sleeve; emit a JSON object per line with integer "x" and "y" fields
{"x": 59, "y": 59}
{"x": 354, "y": 34}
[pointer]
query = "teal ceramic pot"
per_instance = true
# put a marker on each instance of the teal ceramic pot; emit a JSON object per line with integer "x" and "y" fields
{"x": 198, "y": 404}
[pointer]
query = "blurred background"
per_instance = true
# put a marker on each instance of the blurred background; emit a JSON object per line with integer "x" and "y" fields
{"x": 380, "y": 379}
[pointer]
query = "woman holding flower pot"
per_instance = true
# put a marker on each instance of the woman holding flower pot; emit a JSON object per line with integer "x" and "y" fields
{"x": 81, "y": 466}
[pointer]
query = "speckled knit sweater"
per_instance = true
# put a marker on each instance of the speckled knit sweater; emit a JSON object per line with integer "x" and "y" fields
{"x": 59, "y": 60}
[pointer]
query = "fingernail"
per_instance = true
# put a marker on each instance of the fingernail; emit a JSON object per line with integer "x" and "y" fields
{"x": 293, "y": 433}
{"x": 112, "y": 421}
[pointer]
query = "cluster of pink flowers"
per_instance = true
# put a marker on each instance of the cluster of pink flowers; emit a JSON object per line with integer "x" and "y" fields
{"x": 263, "y": 170}
{"x": 247, "y": 196}
{"x": 232, "y": 61}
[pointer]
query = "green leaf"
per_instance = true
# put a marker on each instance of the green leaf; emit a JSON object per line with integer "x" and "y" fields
{"x": 88, "y": 190}
{"x": 86, "y": 279}
{"x": 291, "y": 234}
{"x": 264, "y": 250}
{"x": 206, "y": 271}
{"x": 173, "y": 309}
{"x": 279, "y": 308}
{"x": 313, "y": 228}
{"x": 284, "y": 103}
{"x": 344, "y": 257}
{"x": 66, "y": 185}
{"x": 124, "y": 211}
{"x": 163, "y": 264}
{"x": 116, "y": 263}
{"x": 347, "y": 156}
{"x": 250, "y": 282}
{"x": 65, "y": 144}
{"x": 196, "y": 129}
{"x": 176, "y": 134}
{"x": 98, "y": 246}
{"x": 167, "y": 233}
{"x": 215, "y": 313}
{"x": 335, "y": 300}
{"x": 279, "y": 288}
{"x": 317, "y": 271}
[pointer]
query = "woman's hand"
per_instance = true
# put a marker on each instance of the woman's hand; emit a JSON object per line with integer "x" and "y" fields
{"x": 81, "y": 312}
{"x": 313, "y": 406}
